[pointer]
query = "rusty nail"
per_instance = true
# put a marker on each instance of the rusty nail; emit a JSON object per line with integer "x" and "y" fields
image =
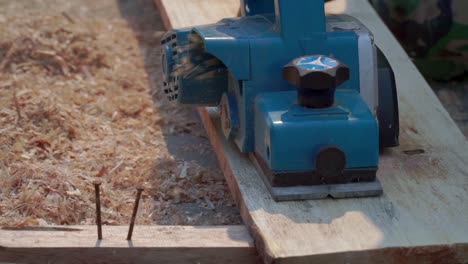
{"x": 97, "y": 185}
{"x": 135, "y": 211}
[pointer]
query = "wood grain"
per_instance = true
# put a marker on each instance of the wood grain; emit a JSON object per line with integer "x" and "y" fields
{"x": 422, "y": 216}
{"x": 195, "y": 12}
{"x": 150, "y": 244}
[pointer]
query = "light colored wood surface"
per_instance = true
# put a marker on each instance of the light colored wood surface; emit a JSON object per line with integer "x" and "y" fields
{"x": 422, "y": 216}
{"x": 180, "y": 13}
{"x": 150, "y": 244}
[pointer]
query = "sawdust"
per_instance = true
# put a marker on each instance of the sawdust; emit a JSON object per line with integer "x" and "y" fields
{"x": 75, "y": 106}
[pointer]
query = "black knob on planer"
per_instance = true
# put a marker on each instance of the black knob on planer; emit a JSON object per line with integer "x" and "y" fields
{"x": 316, "y": 78}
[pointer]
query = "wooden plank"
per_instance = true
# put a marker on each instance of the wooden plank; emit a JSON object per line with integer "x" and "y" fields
{"x": 150, "y": 244}
{"x": 422, "y": 216}
{"x": 195, "y": 12}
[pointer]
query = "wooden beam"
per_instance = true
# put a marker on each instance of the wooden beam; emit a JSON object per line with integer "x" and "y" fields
{"x": 195, "y": 12}
{"x": 150, "y": 244}
{"x": 422, "y": 216}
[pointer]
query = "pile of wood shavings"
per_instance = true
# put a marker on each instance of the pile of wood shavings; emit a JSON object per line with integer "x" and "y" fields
{"x": 74, "y": 107}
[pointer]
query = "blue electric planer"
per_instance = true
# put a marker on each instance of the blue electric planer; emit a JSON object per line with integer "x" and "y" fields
{"x": 310, "y": 97}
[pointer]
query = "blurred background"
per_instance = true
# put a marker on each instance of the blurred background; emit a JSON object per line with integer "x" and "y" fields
{"x": 435, "y": 34}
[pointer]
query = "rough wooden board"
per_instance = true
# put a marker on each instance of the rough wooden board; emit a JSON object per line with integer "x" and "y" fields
{"x": 422, "y": 216}
{"x": 150, "y": 244}
{"x": 179, "y": 13}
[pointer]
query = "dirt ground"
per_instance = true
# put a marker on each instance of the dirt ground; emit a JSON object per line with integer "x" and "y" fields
{"x": 75, "y": 106}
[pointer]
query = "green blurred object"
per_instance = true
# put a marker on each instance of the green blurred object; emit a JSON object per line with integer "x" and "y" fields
{"x": 433, "y": 32}
{"x": 407, "y": 5}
